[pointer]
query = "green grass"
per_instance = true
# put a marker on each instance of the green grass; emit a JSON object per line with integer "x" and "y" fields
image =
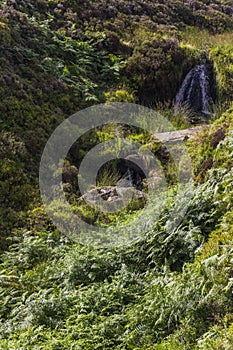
{"x": 151, "y": 280}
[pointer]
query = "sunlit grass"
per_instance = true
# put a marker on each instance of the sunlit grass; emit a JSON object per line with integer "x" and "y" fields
{"x": 202, "y": 39}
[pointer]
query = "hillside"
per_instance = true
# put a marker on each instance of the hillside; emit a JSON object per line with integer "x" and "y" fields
{"x": 171, "y": 287}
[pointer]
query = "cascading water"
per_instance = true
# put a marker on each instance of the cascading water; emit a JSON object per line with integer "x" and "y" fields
{"x": 130, "y": 177}
{"x": 195, "y": 91}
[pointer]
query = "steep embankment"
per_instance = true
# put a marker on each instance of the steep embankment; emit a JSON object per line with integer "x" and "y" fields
{"x": 165, "y": 291}
{"x": 57, "y": 58}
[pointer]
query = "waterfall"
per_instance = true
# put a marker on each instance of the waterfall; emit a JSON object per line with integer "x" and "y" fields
{"x": 195, "y": 91}
{"x": 130, "y": 177}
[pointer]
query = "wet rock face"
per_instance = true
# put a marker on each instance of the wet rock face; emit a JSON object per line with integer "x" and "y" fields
{"x": 131, "y": 171}
{"x": 197, "y": 90}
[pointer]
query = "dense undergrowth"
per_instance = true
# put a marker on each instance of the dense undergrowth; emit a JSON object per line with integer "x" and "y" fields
{"x": 174, "y": 290}
{"x": 165, "y": 290}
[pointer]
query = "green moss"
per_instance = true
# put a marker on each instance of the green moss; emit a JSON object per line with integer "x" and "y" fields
{"x": 119, "y": 96}
{"x": 205, "y": 151}
{"x": 167, "y": 289}
{"x": 222, "y": 57}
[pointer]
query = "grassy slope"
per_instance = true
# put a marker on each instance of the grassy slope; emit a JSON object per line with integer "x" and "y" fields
{"x": 162, "y": 292}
